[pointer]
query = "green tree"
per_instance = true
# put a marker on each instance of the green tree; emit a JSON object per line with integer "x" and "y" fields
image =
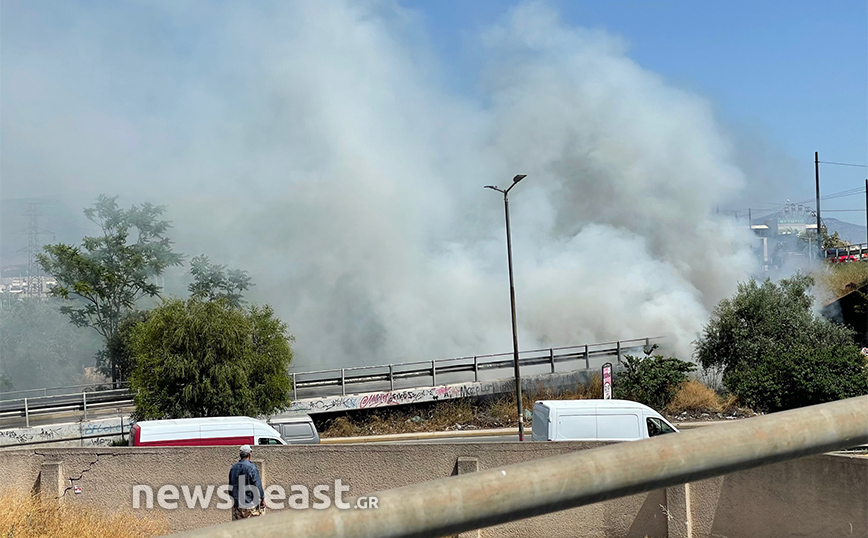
{"x": 39, "y": 347}
{"x": 651, "y": 380}
{"x": 118, "y": 346}
{"x": 199, "y": 358}
{"x": 833, "y": 241}
{"x": 108, "y": 273}
{"x": 751, "y": 334}
{"x": 211, "y": 281}
{"x": 785, "y": 379}
{"x": 762, "y": 319}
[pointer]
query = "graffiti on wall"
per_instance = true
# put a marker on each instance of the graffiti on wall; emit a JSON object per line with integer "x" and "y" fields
{"x": 327, "y": 404}
{"x": 399, "y": 397}
{"x": 107, "y": 427}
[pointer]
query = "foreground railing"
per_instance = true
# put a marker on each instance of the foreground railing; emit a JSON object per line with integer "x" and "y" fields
{"x": 467, "y": 502}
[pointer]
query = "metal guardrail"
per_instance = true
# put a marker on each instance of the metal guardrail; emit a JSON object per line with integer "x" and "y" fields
{"x": 848, "y": 253}
{"x": 481, "y": 499}
{"x": 83, "y": 401}
{"x": 316, "y": 383}
{"x": 60, "y": 391}
{"x": 471, "y": 365}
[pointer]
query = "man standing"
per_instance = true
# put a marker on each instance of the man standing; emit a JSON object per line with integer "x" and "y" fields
{"x": 246, "y": 487}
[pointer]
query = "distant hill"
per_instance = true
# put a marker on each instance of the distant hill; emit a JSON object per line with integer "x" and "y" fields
{"x": 852, "y": 233}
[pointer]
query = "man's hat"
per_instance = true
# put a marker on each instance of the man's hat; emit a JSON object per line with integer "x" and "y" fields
{"x": 245, "y": 450}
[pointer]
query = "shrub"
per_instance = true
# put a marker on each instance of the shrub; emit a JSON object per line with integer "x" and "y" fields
{"x": 199, "y": 358}
{"x": 652, "y": 381}
{"x": 765, "y": 318}
{"x": 785, "y": 379}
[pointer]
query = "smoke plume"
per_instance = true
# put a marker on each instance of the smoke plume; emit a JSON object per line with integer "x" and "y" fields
{"x": 319, "y": 146}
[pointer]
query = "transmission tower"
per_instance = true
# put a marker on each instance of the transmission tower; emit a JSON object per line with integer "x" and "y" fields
{"x": 34, "y": 281}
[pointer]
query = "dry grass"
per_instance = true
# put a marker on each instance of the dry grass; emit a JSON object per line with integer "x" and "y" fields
{"x": 24, "y": 516}
{"x": 694, "y": 396}
{"x": 694, "y": 400}
{"x": 842, "y": 278}
{"x": 464, "y": 414}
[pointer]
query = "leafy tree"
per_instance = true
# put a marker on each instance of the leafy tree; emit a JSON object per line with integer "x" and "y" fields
{"x": 785, "y": 379}
{"x": 118, "y": 347}
{"x": 211, "y": 281}
{"x": 763, "y": 319}
{"x": 108, "y": 273}
{"x": 766, "y": 339}
{"x": 198, "y": 358}
{"x": 39, "y": 348}
{"x": 833, "y": 241}
{"x": 651, "y": 380}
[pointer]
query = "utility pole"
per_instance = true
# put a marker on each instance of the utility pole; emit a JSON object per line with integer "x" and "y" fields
{"x": 819, "y": 230}
{"x": 866, "y": 213}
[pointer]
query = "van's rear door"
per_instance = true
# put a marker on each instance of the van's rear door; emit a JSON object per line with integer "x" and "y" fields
{"x": 540, "y": 425}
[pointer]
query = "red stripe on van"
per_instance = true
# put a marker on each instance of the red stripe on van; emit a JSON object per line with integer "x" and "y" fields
{"x": 210, "y": 441}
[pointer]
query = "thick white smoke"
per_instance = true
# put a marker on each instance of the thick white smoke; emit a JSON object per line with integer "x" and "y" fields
{"x": 317, "y": 146}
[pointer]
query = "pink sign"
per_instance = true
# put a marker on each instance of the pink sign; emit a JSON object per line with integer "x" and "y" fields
{"x": 607, "y": 381}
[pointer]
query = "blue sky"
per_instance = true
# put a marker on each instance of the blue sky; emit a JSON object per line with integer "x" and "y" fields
{"x": 792, "y": 73}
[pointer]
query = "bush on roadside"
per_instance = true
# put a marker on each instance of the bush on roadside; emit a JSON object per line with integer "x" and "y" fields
{"x": 800, "y": 376}
{"x": 651, "y": 380}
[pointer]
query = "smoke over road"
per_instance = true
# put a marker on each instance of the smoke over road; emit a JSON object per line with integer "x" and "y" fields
{"x": 319, "y": 146}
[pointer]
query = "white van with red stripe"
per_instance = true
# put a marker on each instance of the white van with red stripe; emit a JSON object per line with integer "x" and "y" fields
{"x": 212, "y": 431}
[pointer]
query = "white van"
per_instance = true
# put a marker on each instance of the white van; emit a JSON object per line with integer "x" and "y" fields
{"x": 596, "y": 420}
{"x": 204, "y": 432}
{"x": 295, "y": 429}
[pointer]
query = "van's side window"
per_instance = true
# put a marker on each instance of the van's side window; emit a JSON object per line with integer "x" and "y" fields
{"x": 296, "y": 431}
{"x": 657, "y": 427}
{"x": 268, "y": 441}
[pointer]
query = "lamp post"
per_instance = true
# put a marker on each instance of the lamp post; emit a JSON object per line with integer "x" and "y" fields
{"x": 515, "y": 181}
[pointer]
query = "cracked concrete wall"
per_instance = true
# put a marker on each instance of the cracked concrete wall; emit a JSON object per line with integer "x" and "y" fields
{"x": 107, "y": 475}
{"x": 820, "y": 493}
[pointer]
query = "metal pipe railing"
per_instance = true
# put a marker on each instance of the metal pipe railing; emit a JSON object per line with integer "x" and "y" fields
{"x": 466, "y": 502}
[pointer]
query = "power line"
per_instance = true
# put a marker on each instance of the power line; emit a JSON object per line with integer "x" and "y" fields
{"x": 831, "y": 196}
{"x": 844, "y": 164}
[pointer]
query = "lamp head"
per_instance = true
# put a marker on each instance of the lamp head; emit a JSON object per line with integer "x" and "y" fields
{"x": 518, "y": 178}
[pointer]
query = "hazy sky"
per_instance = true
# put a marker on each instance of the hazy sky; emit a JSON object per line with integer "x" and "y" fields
{"x": 337, "y": 151}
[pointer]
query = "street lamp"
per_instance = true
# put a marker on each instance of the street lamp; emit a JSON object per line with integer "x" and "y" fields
{"x": 515, "y": 181}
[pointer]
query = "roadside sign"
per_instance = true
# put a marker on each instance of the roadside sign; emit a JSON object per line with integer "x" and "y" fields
{"x": 607, "y": 381}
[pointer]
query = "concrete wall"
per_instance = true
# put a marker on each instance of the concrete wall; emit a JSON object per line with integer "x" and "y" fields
{"x": 76, "y": 433}
{"x": 816, "y": 496}
{"x": 452, "y": 391}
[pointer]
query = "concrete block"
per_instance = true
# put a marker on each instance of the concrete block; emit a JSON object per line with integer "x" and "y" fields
{"x": 51, "y": 481}
{"x": 465, "y": 465}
